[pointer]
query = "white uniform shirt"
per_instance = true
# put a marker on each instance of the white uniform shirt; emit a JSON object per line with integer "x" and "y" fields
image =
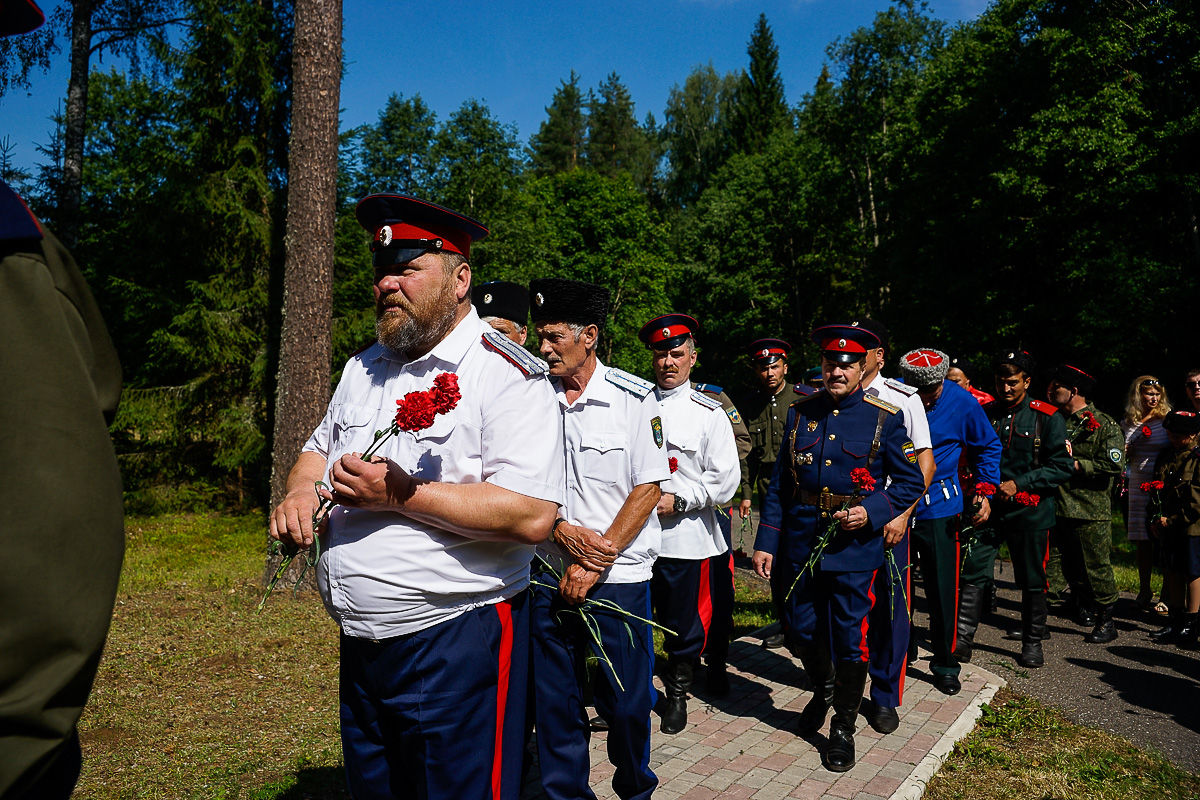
{"x": 611, "y": 446}
{"x": 382, "y": 574}
{"x": 700, "y": 438}
{"x": 915, "y": 421}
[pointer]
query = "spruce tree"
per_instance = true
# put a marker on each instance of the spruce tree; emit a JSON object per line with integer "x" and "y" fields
{"x": 560, "y": 142}
{"x": 760, "y": 106}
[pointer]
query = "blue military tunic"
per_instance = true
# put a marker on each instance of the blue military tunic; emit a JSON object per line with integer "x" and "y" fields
{"x": 824, "y": 441}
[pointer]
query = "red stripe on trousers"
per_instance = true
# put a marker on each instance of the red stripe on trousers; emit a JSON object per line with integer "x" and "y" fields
{"x": 504, "y": 611}
{"x": 866, "y": 654}
{"x": 957, "y": 587}
{"x": 704, "y": 601}
{"x": 907, "y": 610}
{"x": 1045, "y": 562}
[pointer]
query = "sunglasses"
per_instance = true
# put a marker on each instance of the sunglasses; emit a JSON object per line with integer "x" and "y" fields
{"x": 1193, "y": 384}
{"x": 1153, "y": 382}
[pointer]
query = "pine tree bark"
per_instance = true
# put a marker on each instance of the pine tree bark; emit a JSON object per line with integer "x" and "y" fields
{"x": 305, "y": 344}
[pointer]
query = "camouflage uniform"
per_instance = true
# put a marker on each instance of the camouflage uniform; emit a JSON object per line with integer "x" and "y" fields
{"x": 766, "y": 435}
{"x": 1083, "y": 506}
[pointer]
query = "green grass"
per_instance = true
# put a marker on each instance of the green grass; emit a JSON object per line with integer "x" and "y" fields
{"x": 1023, "y": 749}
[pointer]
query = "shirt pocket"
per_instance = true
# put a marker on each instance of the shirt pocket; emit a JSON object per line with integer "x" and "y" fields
{"x": 352, "y": 431}
{"x": 602, "y": 456}
{"x": 854, "y": 455}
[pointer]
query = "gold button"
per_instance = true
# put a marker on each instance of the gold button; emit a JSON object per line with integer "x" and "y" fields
{"x": 825, "y": 488}
{"x": 836, "y": 412}
{"x": 832, "y": 436}
{"x": 828, "y": 463}
{"x": 824, "y": 514}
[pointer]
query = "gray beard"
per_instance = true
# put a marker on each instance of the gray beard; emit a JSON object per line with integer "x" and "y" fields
{"x": 410, "y": 338}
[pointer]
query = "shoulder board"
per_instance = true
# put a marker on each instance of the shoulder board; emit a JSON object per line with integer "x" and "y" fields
{"x": 364, "y": 348}
{"x": 710, "y": 388}
{"x": 630, "y": 383}
{"x": 1043, "y": 406}
{"x": 516, "y": 355}
{"x": 16, "y": 220}
{"x": 903, "y": 388}
{"x": 706, "y": 401}
{"x": 884, "y": 404}
{"x": 807, "y": 397}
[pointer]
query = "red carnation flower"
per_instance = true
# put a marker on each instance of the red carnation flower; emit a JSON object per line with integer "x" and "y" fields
{"x": 1152, "y": 486}
{"x": 416, "y": 412}
{"x": 1146, "y": 431}
{"x": 1027, "y": 499}
{"x": 862, "y": 478}
{"x": 673, "y": 463}
{"x": 1090, "y": 422}
{"x": 985, "y": 489}
{"x": 445, "y": 394}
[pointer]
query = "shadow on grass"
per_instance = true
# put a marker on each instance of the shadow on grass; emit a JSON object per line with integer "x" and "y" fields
{"x": 312, "y": 783}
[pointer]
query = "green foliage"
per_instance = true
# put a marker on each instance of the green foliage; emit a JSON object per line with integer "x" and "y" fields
{"x": 759, "y": 106}
{"x": 396, "y": 152}
{"x": 615, "y": 142}
{"x": 561, "y": 140}
{"x": 696, "y": 132}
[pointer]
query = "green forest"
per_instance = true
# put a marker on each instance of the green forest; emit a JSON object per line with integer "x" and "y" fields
{"x": 1026, "y": 179}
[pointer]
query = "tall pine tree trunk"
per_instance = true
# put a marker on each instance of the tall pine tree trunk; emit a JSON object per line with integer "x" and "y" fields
{"x": 305, "y": 347}
{"x": 70, "y": 190}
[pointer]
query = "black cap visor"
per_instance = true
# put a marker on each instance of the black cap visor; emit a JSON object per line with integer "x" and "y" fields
{"x": 670, "y": 344}
{"x": 842, "y": 358}
{"x": 401, "y": 251}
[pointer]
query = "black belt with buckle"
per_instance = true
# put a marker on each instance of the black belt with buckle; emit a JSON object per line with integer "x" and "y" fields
{"x": 827, "y": 501}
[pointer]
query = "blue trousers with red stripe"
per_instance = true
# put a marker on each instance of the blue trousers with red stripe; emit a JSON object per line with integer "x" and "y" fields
{"x": 721, "y": 586}
{"x": 832, "y": 604}
{"x": 561, "y": 644}
{"x": 438, "y": 713}
{"x": 889, "y": 626}
{"x": 681, "y": 593}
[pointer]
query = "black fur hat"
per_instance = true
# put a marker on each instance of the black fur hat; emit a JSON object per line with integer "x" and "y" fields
{"x": 562, "y": 300}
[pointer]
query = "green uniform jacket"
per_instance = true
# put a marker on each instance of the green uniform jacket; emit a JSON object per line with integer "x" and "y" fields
{"x": 766, "y": 433}
{"x": 1100, "y": 454}
{"x": 1035, "y": 469}
{"x": 61, "y": 528}
{"x": 1179, "y": 470}
{"x": 741, "y": 435}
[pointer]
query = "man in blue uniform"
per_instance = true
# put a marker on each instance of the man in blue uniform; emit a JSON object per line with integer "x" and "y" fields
{"x": 830, "y": 439}
{"x": 958, "y": 427}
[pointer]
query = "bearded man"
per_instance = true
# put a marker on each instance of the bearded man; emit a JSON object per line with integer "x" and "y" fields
{"x": 425, "y": 555}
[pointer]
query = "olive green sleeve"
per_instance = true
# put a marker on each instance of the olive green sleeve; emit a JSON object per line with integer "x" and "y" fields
{"x": 61, "y": 527}
{"x": 1107, "y": 455}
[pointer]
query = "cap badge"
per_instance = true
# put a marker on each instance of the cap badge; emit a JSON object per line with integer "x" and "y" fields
{"x": 841, "y": 342}
{"x": 539, "y": 299}
{"x": 666, "y": 332}
{"x": 1012, "y": 355}
{"x": 385, "y": 235}
{"x": 853, "y": 324}
{"x": 765, "y": 352}
{"x": 487, "y": 298}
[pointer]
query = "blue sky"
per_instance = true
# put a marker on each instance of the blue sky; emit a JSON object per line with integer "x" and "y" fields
{"x": 512, "y": 55}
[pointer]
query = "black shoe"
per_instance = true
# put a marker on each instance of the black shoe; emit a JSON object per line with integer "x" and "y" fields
{"x": 884, "y": 719}
{"x": 674, "y": 714}
{"x": 1167, "y": 633}
{"x": 677, "y": 680}
{"x": 839, "y": 755}
{"x": 598, "y": 723}
{"x": 1031, "y": 655}
{"x": 1033, "y": 625}
{"x": 1086, "y": 617}
{"x": 1189, "y": 632}
{"x": 773, "y": 642}
{"x": 947, "y": 684}
{"x": 1104, "y": 631}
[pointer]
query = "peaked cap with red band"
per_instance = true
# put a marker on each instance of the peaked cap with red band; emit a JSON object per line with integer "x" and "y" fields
{"x": 668, "y": 331}
{"x": 768, "y": 351}
{"x": 19, "y": 16}
{"x": 924, "y": 367}
{"x": 845, "y": 344}
{"x": 404, "y": 227}
{"x": 1075, "y": 378}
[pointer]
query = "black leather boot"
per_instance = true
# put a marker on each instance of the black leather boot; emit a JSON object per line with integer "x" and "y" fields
{"x": 1189, "y": 631}
{"x": 1017, "y": 633}
{"x": 970, "y": 606}
{"x": 818, "y": 665}
{"x": 1105, "y": 630}
{"x": 851, "y": 679}
{"x": 1033, "y": 624}
{"x": 677, "y": 679}
{"x": 1167, "y": 633}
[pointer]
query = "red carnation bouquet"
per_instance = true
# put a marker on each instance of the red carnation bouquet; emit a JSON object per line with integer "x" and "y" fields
{"x": 1152, "y": 488}
{"x": 966, "y": 533}
{"x": 1089, "y": 424}
{"x": 415, "y": 412}
{"x": 863, "y": 482}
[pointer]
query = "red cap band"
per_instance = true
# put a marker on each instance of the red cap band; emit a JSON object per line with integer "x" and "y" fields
{"x": 840, "y": 345}
{"x": 454, "y": 240}
{"x": 667, "y": 332}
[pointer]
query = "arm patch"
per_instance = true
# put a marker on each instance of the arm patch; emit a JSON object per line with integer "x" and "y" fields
{"x": 516, "y": 355}
{"x": 630, "y": 383}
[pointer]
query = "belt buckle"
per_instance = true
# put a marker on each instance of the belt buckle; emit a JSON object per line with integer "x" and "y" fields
{"x": 825, "y": 501}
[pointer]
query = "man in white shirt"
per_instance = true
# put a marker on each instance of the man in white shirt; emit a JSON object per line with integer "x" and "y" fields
{"x": 889, "y": 625}
{"x": 426, "y": 552}
{"x": 602, "y": 549}
{"x": 704, "y": 476}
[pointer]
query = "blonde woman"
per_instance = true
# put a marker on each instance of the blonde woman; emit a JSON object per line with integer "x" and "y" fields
{"x": 1146, "y": 405}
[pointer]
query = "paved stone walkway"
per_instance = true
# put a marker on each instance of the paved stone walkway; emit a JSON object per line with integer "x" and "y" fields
{"x": 743, "y": 745}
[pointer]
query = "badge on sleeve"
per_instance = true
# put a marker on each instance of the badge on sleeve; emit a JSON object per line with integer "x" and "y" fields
{"x": 1115, "y": 455}
{"x": 734, "y": 416}
{"x": 910, "y": 452}
{"x": 656, "y": 427}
